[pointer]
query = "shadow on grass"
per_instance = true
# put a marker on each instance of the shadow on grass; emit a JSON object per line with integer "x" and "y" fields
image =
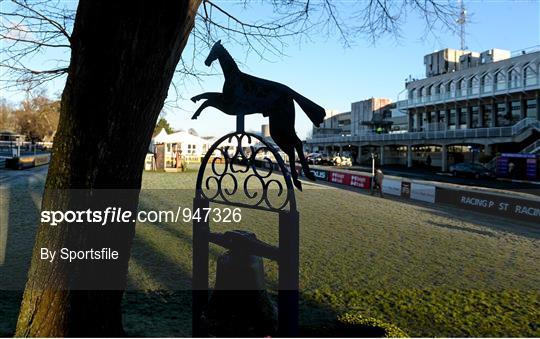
{"x": 463, "y": 229}
{"x": 485, "y": 220}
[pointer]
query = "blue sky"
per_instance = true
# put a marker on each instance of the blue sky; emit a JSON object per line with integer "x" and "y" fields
{"x": 332, "y": 75}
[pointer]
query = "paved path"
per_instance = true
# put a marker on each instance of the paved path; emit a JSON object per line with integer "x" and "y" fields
{"x": 10, "y": 177}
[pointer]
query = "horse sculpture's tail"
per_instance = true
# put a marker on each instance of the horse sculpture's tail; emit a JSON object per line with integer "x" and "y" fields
{"x": 314, "y": 112}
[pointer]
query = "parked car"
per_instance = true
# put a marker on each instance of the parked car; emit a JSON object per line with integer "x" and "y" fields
{"x": 342, "y": 161}
{"x": 471, "y": 170}
{"x": 319, "y": 159}
{"x": 313, "y": 158}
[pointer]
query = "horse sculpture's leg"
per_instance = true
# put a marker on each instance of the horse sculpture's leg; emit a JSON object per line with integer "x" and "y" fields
{"x": 214, "y": 101}
{"x": 303, "y": 161}
{"x": 206, "y": 95}
{"x": 282, "y": 132}
{"x": 200, "y": 109}
{"x": 289, "y": 150}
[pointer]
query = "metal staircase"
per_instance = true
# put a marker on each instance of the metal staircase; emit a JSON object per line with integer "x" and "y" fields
{"x": 531, "y": 149}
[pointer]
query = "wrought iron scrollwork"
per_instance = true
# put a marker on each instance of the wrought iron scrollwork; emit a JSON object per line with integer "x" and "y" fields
{"x": 242, "y": 174}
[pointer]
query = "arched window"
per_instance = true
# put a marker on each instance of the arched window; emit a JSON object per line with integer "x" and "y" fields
{"x": 500, "y": 80}
{"x": 474, "y": 85}
{"x": 441, "y": 90}
{"x": 513, "y": 78}
{"x": 462, "y": 87}
{"x": 412, "y": 94}
{"x": 435, "y": 91}
{"x": 425, "y": 94}
{"x": 451, "y": 89}
{"x": 486, "y": 83}
{"x": 530, "y": 75}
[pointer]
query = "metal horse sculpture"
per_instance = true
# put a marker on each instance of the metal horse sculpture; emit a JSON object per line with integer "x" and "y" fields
{"x": 245, "y": 94}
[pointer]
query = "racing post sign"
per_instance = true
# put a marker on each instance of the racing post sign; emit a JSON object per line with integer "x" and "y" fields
{"x": 515, "y": 208}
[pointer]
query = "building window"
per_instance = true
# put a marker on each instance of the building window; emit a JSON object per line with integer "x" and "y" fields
{"x": 452, "y": 120}
{"x": 500, "y": 81}
{"x": 474, "y": 117}
{"x": 461, "y": 119}
{"x": 516, "y": 111}
{"x": 462, "y": 87}
{"x": 531, "y": 108}
{"x": 451, "y": 89}
{"x": 423, "y": 94}
{"x": 487, "y": 83}
{"x": 487, "y": 115}
{"x": 428, "y": 93}
{"x": 441, "y": 117}
{"x": 513, "y": 78}
{"x": 530, "y": 75}
{"x": 441, "y": 91}
{"x": 474, "y": 85}
{"x": 502, "y": 115}
{"x": 434, "y": 92}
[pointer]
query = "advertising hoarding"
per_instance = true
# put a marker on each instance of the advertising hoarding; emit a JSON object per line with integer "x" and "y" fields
{"x": 515, "y": 208}
{"x": 340, "y": 178}
{"x": 423, "y": 192}
{"x": 391, "y": 186}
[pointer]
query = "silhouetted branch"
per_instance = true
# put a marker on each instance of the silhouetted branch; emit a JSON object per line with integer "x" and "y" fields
{"x": 31, "y": 28}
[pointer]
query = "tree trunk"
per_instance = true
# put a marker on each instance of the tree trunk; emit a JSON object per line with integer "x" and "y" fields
{"x": 122, "y": 61}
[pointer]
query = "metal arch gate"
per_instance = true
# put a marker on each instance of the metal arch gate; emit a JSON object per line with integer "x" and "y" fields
{"x": 286, "y": 254}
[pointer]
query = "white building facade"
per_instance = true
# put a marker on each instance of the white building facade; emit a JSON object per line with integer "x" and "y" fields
{"x": 469, "y": 102}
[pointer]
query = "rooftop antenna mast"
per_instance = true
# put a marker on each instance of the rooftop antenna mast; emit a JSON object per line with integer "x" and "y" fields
{"x": 461, "y": 22}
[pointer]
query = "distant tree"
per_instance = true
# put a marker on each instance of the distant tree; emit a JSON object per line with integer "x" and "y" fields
{"x": 37, "y": 118}
{"x": 6, "y": 117}
{"x": 192, "y": 131}
{"x": 163, "y": 124}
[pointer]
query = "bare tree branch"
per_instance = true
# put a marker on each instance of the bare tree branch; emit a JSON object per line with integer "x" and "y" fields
{"x": 32, "y": 28}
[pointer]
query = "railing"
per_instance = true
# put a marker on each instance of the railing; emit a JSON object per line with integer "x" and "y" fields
{"x": 528, "y": 50}
{"x": 24, "y": 144}
{"x": 492, "y": 164}
{"x": 488, "y": 132}
{"x": 458, "y": 95}
{"x": 535, "y": 146}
